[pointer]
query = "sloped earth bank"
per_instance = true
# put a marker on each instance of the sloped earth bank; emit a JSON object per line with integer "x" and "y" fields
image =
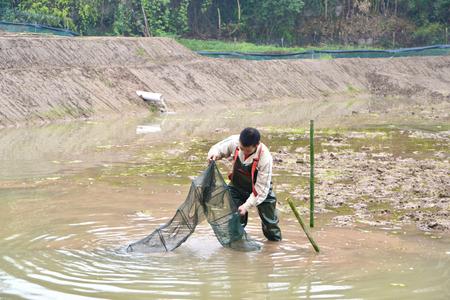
{"x": 54, "y": 78}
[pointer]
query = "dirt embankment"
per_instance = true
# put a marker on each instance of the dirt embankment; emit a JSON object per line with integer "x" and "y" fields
{"x": 50, "y": 78}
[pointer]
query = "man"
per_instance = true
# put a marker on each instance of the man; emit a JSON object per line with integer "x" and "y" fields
{"x": 251, "y": 178}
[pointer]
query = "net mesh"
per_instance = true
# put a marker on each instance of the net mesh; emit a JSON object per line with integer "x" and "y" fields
{"x": 34, "y": 28}
{"x": 210, "y": 199}
{"x": 435, "y": 50}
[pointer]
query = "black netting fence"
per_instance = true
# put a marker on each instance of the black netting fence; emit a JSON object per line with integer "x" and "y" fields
{"x": 34, "y": 28}
{"x": 436, "y": 50}
{"x": 209, "y": 198}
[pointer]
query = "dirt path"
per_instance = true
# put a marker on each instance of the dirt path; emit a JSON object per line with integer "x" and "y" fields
{"x": 51, "y": 78}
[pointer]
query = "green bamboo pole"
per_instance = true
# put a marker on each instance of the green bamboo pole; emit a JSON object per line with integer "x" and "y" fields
{"x": 302, "y": 224}
{"x": 311, "y": 173}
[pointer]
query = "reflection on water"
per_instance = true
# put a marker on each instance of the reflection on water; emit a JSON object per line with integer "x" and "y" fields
{"x": 64, "y": 225}
{"x": 150, "y": 128}
{"x": 40, "y": 151}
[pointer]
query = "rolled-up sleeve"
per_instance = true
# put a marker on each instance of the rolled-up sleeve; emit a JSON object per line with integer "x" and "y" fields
{"x": 224, "y": 148}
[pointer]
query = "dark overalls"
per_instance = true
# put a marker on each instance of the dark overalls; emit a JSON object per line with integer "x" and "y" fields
{"x": 241, "y": 187}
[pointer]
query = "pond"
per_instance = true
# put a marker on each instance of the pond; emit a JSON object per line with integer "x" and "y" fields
{"x": 73, "y": 196}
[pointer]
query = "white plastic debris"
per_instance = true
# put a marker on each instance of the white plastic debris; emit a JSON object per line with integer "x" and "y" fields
{"x": 150, "y": 96}
{"x": 155, "y": 98}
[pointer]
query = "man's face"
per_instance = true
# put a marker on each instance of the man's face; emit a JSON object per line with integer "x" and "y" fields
{"x": 247, "y": 150}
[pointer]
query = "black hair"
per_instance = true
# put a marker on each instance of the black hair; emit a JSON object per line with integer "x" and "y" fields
{"x": 249, "y": 137}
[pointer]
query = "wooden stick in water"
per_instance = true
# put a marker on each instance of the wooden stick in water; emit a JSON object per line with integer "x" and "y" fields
{"x": 299, "y": 219}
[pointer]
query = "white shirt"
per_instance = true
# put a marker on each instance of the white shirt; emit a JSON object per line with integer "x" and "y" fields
{"x": 227, "y": 148}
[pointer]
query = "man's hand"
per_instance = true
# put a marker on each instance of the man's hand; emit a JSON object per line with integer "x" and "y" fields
{"x": 213, "y": 157}
{"x": 242, "y": 210}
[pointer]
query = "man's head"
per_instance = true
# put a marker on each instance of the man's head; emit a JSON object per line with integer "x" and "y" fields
{"x": 249, "y": 140}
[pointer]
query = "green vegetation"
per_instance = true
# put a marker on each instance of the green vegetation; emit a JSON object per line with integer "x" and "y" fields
{"x": 351, "y": 89}
{"x": 141, "y": 52}
{"x": 65, "y": 111}
{"x": 216, "y": 45}
{"x": 325, "y": 57}
{"x": 344, "y": 209}
{"x": 229, "y": 46}
{"x": 282, "y": 23}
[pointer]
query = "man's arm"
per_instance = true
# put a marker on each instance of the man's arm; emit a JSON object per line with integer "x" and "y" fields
{"x": 223, "y": 149}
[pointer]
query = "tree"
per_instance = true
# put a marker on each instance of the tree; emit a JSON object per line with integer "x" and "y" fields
{"x": 274, "y": 19}
{"x": 86, "y": 13}
{"x": 254, "y": 20}
{"x": 179, "y": 19}
{"x": 5, "y": 5}
{"x": 48, "y": 12}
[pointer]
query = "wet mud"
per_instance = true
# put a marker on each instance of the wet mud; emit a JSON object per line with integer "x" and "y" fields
{"x": 383, "y": 177}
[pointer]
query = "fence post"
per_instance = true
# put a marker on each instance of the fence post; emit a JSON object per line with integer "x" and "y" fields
{"x": 446, "y": 35}
{"x": 311, "y": 173}
{"x": 393, "y": 39}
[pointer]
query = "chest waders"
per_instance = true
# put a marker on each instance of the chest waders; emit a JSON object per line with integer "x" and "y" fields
{"x": 243, "y": 179}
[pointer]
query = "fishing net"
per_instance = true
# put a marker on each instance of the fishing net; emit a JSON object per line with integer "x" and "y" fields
{"x": 210, "y": 199}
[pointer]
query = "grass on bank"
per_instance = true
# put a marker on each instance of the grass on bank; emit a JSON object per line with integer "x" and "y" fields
{"x": 229, "y": 46}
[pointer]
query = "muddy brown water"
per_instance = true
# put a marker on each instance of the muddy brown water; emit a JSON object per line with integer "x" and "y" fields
{"x": 73, "y": 196}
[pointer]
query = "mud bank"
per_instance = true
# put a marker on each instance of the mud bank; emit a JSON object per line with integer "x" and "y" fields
{"x": 385, "y": 178}
{"x": 53, "y": 78}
